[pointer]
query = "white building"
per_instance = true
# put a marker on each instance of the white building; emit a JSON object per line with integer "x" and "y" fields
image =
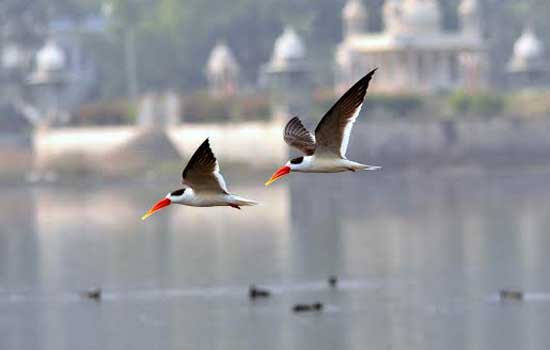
{"x": 48, "y": 83}
{"x": 413, "y": 51}
{"x": 288, "y": 77}
{"x": 60, "y": 73}
{"x": 223, "y": 72}
{"x": 528, "y": 67}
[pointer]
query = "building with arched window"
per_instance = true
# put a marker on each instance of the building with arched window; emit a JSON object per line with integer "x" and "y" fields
{"x": 413, "y": 51}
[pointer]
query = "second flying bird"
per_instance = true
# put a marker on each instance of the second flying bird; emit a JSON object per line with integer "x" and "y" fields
{"x": 325, "y": 152}
{"x": 204, "y": 185}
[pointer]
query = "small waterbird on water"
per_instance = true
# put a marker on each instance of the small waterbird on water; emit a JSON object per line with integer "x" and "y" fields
{"x": 511, "y": 295}
{"x": 325, "y": 152}
{"x": 256, "y": 292}
{"x": 94, "y": 294}
{"x": 204, "y": 185}
{"x": 308, "y": 307}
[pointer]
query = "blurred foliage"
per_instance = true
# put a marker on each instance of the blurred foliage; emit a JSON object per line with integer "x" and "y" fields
{"x": 396, "y": 105}
{"x": 174, "y": 37}
{"x": 26, "y": 21}
{"x": 105, "y": 112}
{"x": 200, "y": 107}
{"x": 185, "y": 31}
{"x": 401, "y": 105}
{"x": 182, "y": 27}
{"x": 534, "y": 104}
{"x": 479, "y": 104}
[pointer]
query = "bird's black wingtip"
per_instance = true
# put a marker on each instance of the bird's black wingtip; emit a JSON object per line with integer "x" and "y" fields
{"x": 205, "y": 144}
{"x": 365, "y": 81}
{"x": 368, "y": 77}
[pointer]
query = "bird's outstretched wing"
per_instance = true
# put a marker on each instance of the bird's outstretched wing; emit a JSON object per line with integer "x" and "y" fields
{"x": 202, "y": 173}
{"x": 297, "y": 136}
{"x": 333, "y": 132}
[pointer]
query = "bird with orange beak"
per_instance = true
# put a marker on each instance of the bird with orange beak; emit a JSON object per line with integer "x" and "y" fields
{"x": 325, "y": 152}
{"x": 204, "y": 186}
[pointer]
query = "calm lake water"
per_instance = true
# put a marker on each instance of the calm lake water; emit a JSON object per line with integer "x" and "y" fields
{"x": 420, "y": 262}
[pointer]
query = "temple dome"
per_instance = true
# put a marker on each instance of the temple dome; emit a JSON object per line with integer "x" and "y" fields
{"x": 288, "y": 48}
{"x": 354, "y": 9}
{"x": 421, "y": 16}
{"x": 528, "y": 52}
{"x": 50, "y": 57}
{"x": 468, "y": 8}
{"x": 221, "y": 60}
{"x": 529, "y": 47}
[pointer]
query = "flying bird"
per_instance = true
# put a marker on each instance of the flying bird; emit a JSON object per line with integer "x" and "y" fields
{"x": 204, "y": 185}
{"x": 325, "y": 152}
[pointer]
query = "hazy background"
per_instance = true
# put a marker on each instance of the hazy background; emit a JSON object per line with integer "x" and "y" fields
{"x": 174, "y": 37}
{"x": 103, "y": 102}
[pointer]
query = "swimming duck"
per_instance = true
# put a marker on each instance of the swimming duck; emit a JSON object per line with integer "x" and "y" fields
{"x": 308, "y": 307}
{"x": 94, "y": 294}
{"x": 511, "y": 295}
{"x": 255, "y": 292}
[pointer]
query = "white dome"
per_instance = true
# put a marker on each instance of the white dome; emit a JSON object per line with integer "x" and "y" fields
{"x": 529, "y": 47}
{"x": 421, "y": 15}
{"x": 288, "y": 47}
{"x": 528, "y": 52}
{"x": 221, "y": 60}
{"x": 12, "y": 57}
{"x": 392, "y": 15}
{"x": 354, "y": 9}
{"x": 50, "y": 57}
{"x": 468, "y": 7}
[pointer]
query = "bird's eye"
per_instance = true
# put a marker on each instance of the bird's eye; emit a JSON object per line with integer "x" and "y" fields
{"x": 178, "y": 192}
{"x": 297, "y": 160}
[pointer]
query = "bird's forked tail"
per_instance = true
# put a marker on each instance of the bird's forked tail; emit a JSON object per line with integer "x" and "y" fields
{"x": 358, "y": 166}
{"x": 240, "y": 201}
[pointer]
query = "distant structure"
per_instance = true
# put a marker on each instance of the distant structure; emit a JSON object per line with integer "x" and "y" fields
{"x": 47, "y": 82}
{"x": 287, "y": 77}
{"x": 528, "y": 68}
{"x": 81, "y": 72}
{"x": 413, "y": 51}
{"x": 159, "y": 110}
{"x": 223, "y": 72}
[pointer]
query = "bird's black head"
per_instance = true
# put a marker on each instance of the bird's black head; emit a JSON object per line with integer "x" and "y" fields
{"x": 298, "y": 160}
{"x": 178, "y": 193}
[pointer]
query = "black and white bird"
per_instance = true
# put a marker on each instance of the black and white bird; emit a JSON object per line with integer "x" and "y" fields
{"x": 204, "y": 185}
{"x": 325, "y": 152}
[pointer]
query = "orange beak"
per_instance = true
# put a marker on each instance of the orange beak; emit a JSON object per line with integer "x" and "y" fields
{"x": 282, "y": 171}
{"x": 160, "y": 204}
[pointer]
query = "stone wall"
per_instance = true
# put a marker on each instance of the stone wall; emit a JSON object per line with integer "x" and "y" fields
{"x": 395, "y": 143}
{"x": 115, "y": 150}
{"x": 499, "y": 142}
{"x": 256, "y": 144}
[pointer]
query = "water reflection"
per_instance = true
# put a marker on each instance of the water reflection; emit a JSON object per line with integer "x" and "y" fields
{"x": 419, "y": 260}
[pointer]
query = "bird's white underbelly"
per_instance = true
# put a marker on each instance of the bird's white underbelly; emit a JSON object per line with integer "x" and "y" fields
{"x": 331, "y": 165}
{"x": 210, "y": 200}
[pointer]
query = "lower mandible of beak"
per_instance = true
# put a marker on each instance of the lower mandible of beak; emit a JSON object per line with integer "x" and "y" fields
{"x": 282, "y": 171}
{"x": 158, "y": 206}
